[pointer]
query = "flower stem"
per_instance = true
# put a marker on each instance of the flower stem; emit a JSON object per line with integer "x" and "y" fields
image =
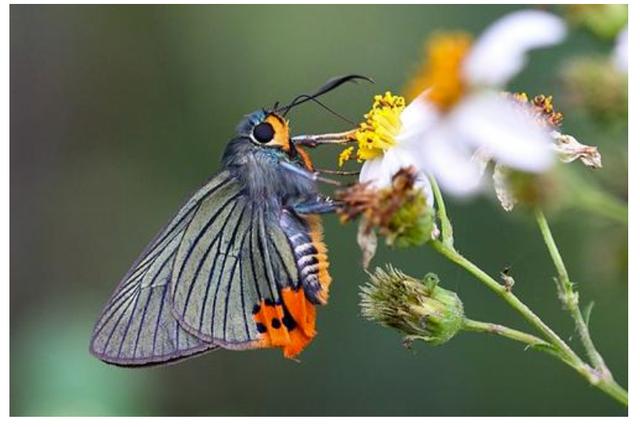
{"x": 570, "y": 300}
{"x": 504, "y": 331}
{"x": 511, "y": 299}
{"x": 531, "y": 341}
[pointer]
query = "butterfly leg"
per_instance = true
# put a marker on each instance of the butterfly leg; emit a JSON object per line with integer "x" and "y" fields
{"x": 312, "y": 176}
{"x": 320, "y": 205}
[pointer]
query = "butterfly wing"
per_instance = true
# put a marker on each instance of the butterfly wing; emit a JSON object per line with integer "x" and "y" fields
{"x": 238, "y": 281}
{"x": 136, "y": 326}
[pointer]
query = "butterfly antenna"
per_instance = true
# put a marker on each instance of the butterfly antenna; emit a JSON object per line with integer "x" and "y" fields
{"x": 325, "y": 88}
{"x": 326, "y": 107}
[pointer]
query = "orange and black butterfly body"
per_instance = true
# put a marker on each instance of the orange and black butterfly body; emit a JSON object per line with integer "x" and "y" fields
{"x": 242, "y": 265}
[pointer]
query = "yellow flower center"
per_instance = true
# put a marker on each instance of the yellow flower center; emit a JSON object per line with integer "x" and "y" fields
{"x": 381, "y": 126}
{"x": 441, "y": 71}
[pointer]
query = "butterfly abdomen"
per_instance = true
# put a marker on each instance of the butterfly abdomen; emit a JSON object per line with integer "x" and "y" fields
{"x": 310, "y": 252}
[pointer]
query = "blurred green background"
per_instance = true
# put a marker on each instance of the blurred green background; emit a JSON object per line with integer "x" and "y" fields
{"x": 119, "y": 112}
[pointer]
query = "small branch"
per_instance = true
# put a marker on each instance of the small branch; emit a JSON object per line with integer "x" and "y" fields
{"x": 570, "y": 301}
{"x": 506, "y": 332}
{"x": 561, "y": 349}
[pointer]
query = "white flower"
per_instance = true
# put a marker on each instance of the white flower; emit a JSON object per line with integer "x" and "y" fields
{"x": 403, "y": 125}
{"x": 500, "y": 51}
{"x": 488, "y": 123}
{"x": 462, "y": 111}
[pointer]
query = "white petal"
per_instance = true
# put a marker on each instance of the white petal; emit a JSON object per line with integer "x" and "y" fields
{"x": 422, "y": 182}
{"x": 416, "y": 119}
{"x": 380, "y": 171}
{"x": 507, "y": 133}
{"x": 500, "y": 51}
{"x": 374, "y": 171}
{"x": 620, "y": 55}
{"x": 450, "y": 162}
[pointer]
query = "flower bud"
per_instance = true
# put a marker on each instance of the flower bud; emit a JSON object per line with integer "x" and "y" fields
{"x": 421, "y": 309}
{"x": 603, "y": 20}
{"x": 597, "y": 86}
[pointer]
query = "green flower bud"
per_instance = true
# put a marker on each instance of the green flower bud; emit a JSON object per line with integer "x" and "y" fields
{"x": 595, "y": 84}
{"x": 603, "y": 20}
{"x": 412, "y": 224}
{"x": 421, "y": 309}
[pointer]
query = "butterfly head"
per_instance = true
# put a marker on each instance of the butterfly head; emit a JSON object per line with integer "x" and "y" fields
{"x": 266, "y": 129}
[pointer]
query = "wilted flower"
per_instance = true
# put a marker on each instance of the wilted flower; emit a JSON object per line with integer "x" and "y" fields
{"x": 513, "y": 186}
{"x": 569, "y": 149}
{"x": 420, "y": 309}
{"x": 400, "y": 212}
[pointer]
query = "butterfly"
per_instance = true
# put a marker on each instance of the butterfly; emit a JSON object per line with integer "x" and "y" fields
{"x": 242, "y": 265}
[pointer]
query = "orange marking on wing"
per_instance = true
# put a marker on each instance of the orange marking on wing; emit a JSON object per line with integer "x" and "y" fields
{"x": 304, "y": 316}
{"x": 281, "y": 129}
{"x": 292, "y": 333}
{"x": 266, "y": 315}
{"x": 317, "y": 238}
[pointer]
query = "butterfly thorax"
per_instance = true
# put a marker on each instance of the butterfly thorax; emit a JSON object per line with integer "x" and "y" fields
{"x": 259, "y": 170}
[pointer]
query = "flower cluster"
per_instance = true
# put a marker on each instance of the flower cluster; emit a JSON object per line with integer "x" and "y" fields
{"x": 457, "y": 111}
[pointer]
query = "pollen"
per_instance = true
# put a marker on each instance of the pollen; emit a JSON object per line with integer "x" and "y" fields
{"x": 441, "y": 71}
{"x": 381, "y": 126}
{"x": 541, "y": 107}
{"x": 345, "y": 155}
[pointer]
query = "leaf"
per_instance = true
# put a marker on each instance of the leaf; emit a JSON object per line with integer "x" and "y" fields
{"x": 587, "y": 312}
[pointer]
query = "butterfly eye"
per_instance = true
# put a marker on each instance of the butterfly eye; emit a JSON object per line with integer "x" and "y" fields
{"x": 263, "y": 132}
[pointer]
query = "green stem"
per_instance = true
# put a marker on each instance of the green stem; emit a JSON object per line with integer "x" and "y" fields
{"x": 514, "y": 302}
{"x": 504, "y": 331}
{"x": 529, "y": 340}
{"x": 570, "y": 300}
{"x": 562, "y": 350}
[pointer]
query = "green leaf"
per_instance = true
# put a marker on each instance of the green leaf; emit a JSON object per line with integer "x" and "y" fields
{"x": 586, "y": 313}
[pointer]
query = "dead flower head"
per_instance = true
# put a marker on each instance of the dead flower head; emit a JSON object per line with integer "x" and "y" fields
{"x": 400, "y": 212}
